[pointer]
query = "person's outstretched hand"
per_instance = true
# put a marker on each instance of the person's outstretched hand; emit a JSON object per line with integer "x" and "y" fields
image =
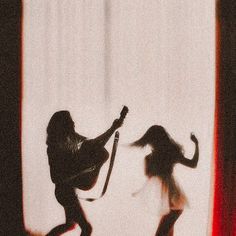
{"x": 117, "y": 123}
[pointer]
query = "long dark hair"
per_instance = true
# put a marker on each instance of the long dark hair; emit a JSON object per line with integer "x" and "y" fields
{"x": 59, "y": 127}
{"x": 159, "y": 139}
{"x": 165, "y": 151}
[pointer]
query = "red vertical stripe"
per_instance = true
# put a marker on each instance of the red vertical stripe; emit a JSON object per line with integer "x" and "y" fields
{"x": 218, "y": 183}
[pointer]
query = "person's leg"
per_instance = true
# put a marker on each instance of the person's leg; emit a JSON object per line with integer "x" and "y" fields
{"x": 76, "y": 214}
{"x": 60, "y": 229}
{"x": 65, "y": 196}
{"x": 167, "y": 222}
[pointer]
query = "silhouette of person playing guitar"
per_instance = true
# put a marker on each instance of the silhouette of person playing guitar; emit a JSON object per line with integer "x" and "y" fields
{"x": 75, "y": 162}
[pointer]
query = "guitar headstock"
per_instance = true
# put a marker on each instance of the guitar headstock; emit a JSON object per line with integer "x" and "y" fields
{"x": 124, "y": 112}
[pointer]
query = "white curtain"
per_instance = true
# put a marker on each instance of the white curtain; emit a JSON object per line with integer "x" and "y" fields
{"x": 93, "y": 57}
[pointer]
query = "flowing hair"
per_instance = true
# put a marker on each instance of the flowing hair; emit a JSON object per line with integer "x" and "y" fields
{"x": 159, "y": 139}
{"x": 59, "y": 127}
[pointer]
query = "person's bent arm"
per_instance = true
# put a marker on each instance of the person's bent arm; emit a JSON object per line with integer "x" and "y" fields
{"x": 103, "y": 138}
{"x": 191, "y": 162}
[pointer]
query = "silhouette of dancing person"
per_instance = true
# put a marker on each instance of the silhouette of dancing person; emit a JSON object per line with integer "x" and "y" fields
{"x": 159, "y": 168}
{"x": 75, "y": 162}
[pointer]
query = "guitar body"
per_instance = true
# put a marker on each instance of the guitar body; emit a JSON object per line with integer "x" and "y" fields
{"x": 91, "y": 159}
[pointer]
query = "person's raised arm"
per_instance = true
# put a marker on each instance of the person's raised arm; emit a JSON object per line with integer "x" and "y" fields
{"x": 117, "y": 123}
{"x": 191, "y": 162}
{"x": 103, "y": 138}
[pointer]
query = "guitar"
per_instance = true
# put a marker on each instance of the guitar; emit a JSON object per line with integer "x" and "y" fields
{"x": 96, "y": 157}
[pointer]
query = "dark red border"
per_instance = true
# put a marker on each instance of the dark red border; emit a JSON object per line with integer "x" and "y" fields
{"x": 224, "y": 210}
{"x": 11, "y": 85}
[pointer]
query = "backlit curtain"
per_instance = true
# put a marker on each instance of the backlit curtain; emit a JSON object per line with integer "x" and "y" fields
{"x": 93, "y": 57}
